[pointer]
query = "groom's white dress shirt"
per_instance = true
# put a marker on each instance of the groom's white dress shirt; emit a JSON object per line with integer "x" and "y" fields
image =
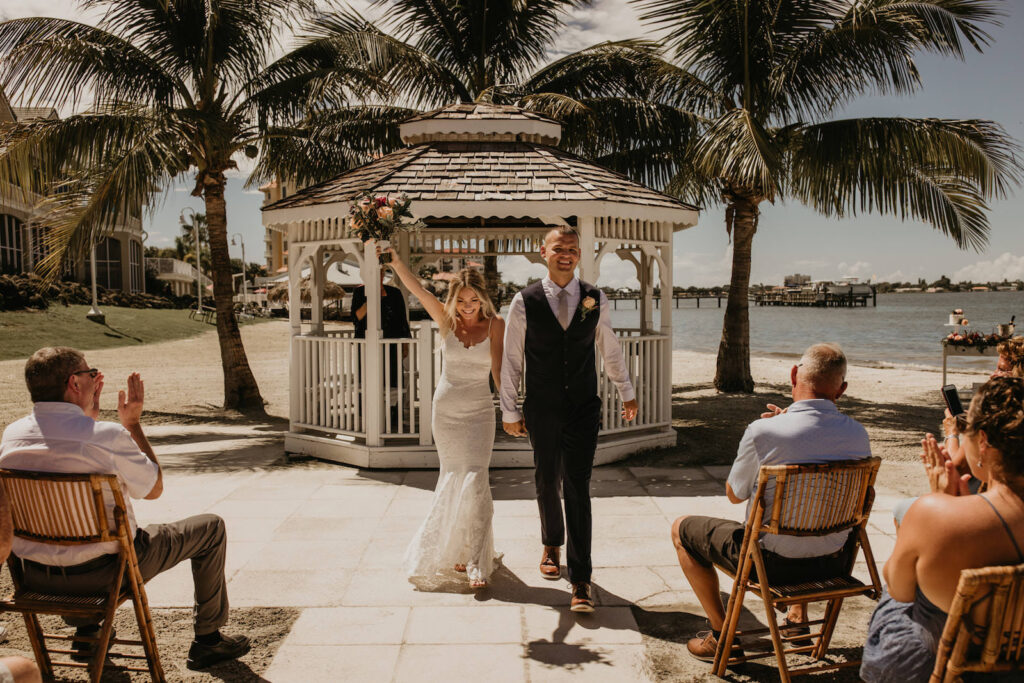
{"x": 515, "y": 336}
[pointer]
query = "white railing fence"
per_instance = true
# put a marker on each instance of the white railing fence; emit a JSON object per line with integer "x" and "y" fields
{"x": 645, "y": 359}
{"x": 330, "y": 372}
{"x": 331, "y": 367}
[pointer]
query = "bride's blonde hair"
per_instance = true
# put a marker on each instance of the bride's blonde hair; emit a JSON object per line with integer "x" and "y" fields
{"x": 471, "y": 279}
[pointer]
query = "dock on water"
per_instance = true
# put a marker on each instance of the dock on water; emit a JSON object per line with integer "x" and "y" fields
{"x": 830, "y": 296}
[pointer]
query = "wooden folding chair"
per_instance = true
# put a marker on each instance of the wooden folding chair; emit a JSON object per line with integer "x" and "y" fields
{"x": 69, "y": 509}
{"x": 994, "y": 643}
{"x": 809, "y": 500}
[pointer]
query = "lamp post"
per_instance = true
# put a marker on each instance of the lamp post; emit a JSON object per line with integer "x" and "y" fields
{"x": 245, "y": 288}
{"x": 94, "y": 313}
{"x": 199, "y": 269}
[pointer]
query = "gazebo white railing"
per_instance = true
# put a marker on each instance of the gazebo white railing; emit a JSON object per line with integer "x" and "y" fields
{"x": 493, "y": 192}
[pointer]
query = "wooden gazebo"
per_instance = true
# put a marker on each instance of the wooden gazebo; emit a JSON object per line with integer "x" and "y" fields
{"x": 488, "y": 179}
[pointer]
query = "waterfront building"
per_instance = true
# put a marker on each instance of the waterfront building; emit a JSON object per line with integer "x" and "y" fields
{"x": 119, "y": 260}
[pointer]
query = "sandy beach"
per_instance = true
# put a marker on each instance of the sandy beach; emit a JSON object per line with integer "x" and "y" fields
{"x": 183, "y": 384}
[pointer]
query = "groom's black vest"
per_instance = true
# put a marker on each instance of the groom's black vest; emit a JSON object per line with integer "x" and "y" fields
{"x": 561, "y": 369}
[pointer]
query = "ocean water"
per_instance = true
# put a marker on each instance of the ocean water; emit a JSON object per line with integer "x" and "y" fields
{"x": 903, "y": 330}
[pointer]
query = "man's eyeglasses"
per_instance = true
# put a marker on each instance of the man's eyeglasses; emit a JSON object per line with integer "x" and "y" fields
{"x": 92, "y": 372}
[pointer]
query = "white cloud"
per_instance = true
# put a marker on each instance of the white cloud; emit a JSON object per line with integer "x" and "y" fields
{"x": 860, "y": 269}
{"x": 1007, "y": 266}
{"x": 701, "y": 269}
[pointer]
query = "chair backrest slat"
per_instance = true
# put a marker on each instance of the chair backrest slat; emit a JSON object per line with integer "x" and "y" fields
{"x": 811, "y": 500}
{"x": 1000, "y": 629}
{"x": 63, "y": 509}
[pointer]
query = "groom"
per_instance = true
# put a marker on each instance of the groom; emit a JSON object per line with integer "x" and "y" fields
{"x": 553, "y": 325}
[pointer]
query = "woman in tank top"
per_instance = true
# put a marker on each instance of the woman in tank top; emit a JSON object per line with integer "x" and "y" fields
{"x": 930, "y": 552}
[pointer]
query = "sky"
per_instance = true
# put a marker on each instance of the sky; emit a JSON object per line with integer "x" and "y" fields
{"x": 790, "y": 237}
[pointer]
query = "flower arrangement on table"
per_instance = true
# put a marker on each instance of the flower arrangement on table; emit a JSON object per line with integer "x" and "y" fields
{"x": 379, "y": 218}
{"x": 972, "y": 339}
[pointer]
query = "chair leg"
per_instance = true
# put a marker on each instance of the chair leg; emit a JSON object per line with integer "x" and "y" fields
{"x": 773, "y": 624}
{"x": 35, "y": 636}
{"x": 146, "y": 632}
{"x": 99, "y": 658}
{"x": 728, "y": 635}
{"x": 828, "y": 627}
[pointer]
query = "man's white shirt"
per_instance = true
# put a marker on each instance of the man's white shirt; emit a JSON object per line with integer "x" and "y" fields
{"x": 515, "y": 337}
{"x": 59, "y": 437}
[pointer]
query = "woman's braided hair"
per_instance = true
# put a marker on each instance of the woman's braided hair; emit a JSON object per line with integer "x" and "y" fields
{"x": 998, "y": 410}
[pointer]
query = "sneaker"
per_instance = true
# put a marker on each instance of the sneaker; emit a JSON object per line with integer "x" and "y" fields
{"x": 581, "y": 598}
{"x": 703, "y": 647}
{"x": 83, "y": 650}
{"x": 230, "y": 647}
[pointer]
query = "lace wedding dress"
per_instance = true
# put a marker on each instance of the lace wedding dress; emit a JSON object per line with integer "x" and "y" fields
{"x": 457, "y": 529}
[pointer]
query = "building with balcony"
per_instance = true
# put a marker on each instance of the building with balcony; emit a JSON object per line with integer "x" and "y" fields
{"x": 179, "y": 275}
{"x": 119, "y": 260}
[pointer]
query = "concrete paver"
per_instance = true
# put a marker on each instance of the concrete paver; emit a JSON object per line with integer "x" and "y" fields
{"x": 330, "y": 539}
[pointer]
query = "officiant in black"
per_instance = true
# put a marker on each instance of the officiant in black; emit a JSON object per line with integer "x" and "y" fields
{"x": 394, "y": 323}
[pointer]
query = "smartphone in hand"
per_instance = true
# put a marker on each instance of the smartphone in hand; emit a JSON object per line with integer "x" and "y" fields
{"x": 952, "y": 398}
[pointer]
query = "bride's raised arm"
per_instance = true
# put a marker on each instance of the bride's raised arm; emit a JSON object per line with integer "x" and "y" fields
{"x": 430, "y": 303}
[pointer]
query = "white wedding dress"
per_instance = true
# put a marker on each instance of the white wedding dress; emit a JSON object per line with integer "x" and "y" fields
{"x": 457, "y": 529}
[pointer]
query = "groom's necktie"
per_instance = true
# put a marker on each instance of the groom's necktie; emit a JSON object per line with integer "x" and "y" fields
{"x": 563, "y": 309}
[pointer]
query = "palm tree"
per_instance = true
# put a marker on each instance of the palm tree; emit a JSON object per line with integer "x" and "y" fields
{"x": 177, "y": 87}
{"x": 433, "y": 53}
{"x": 765, "y": 78}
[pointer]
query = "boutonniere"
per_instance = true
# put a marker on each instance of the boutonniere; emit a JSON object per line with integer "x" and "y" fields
{"x": 587, "y": 304}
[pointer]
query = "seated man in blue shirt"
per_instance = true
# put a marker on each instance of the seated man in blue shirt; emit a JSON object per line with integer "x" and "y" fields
{"x": 810, "y": 431}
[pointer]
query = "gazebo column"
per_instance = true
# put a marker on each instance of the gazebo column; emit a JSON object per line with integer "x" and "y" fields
{"x": 372, "y": 380}
{"x": 588, "y": 258}
{"x": 665, "y": 271}
{"x": 317, "y": 280}
{"x": 294, "y": 263}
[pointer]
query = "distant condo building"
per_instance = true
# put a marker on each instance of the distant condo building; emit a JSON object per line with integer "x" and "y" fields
{"x": 796, "y": 280}
{"x": 119, "y": 257}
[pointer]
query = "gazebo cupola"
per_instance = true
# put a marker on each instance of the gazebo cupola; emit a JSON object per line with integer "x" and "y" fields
{"x": 488, "y": 180}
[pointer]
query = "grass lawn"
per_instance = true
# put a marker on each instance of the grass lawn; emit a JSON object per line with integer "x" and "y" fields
{"x": 22, "y": 332}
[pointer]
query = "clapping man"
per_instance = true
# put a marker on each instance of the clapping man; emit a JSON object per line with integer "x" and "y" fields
{"x": 63, "y": 434}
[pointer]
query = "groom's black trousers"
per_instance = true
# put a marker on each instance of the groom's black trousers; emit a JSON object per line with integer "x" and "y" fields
{"x": 564, "y": 438}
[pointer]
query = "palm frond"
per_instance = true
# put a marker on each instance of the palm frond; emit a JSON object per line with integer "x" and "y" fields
{"x": 939, "y": 171}
{"x": 329, "y": 143}
{"x": 736, "y": 147}
{"x": 55, "y": 61}
{"x": 609, "y": 68}
{"x": 485, "y": 43}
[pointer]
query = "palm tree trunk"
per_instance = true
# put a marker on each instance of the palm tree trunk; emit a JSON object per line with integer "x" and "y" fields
{"x": 733, "y": 370}
{"x": 240, "y": 389}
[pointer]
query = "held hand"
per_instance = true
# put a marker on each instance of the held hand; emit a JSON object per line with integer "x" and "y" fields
{"x": 129, "y": 406}
{"x": 773, "y": 410}
{"x": 949, "y": 424}
{"x": 94, "y": 409}
{"x": 629, "y": 409}
{"x": 515, "y": 428}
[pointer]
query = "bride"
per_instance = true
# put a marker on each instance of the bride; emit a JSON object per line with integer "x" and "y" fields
{"x": 457, "y": 534}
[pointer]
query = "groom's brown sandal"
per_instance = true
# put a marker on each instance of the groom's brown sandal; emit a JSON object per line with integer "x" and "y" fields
{"x": 549, "y": 565}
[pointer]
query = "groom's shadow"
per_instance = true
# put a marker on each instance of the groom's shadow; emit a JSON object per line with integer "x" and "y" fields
{"x": 506, "y": 587}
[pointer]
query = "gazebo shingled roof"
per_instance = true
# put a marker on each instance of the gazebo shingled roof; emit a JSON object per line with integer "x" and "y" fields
{"x": 512, "y": 171}
{"x": 481, "y": 110}
{"x": 497, "y": 162}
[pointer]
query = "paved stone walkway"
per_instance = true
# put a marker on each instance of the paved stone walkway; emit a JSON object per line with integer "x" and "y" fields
{"x": 329, "y": 540}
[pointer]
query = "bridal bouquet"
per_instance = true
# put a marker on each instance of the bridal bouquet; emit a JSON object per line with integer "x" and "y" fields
{"x": 378, "y": 218}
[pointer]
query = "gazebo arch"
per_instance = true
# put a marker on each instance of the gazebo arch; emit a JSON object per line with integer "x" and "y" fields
{"x": 490, "y": 179}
